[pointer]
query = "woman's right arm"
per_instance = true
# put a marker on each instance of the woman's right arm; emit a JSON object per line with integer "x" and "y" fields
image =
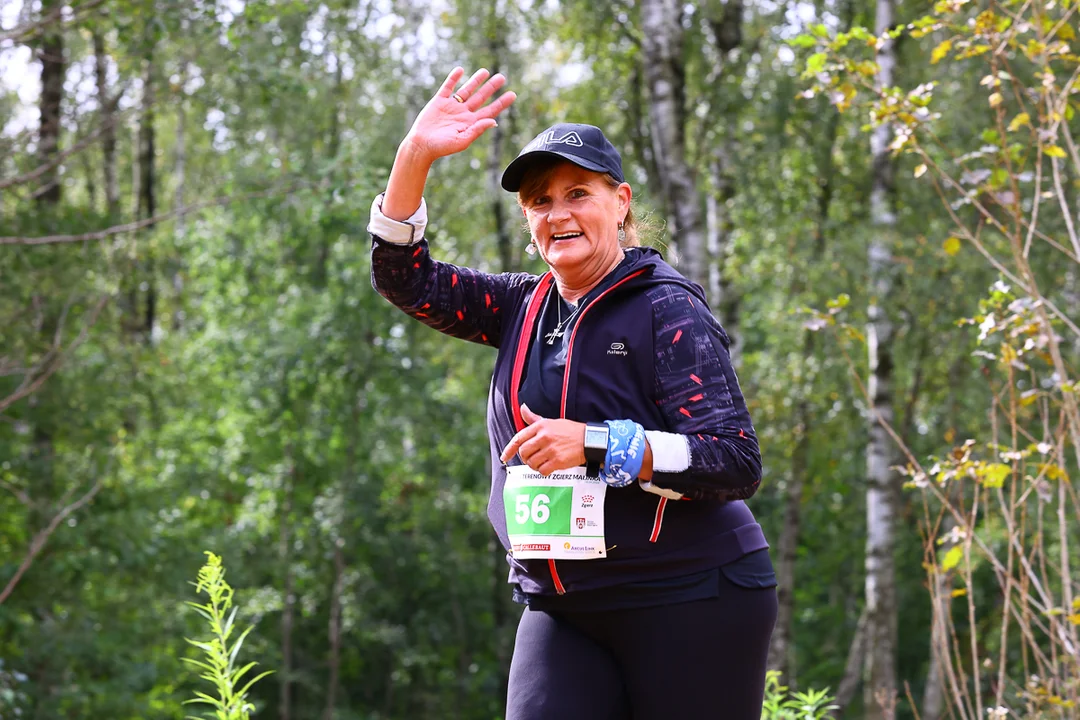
{"x": 458, "y": 301}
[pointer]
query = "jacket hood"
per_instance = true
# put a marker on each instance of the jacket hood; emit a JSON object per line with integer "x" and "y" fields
{"x": 657, "y": 272}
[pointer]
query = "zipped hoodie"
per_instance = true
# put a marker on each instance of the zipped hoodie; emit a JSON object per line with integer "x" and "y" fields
{"x": 647, "y": 349}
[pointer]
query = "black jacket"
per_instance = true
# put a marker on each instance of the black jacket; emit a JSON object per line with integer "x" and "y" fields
{"x": 648, "y": 349}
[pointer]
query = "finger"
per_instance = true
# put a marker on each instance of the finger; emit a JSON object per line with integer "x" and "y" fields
{"x": 511, "y": 448}
{"x": 485, "y": 91}
{"x": 497, "y": 106}
{"x": 465, "y": 91}
{"x": 550, "y": 466}
{"x": 528, "y": 415}
{"x": 533, "y": 449}
{"x": 478, "y": 128}
{"x": 447, "y": 88}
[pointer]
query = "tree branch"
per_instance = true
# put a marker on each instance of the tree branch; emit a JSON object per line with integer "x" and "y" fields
{"x": 147, "y": 222}
{"x": 21, "y": 34}
{"x": 43, "y": 536}
{"x": 60, "y": 157}
{"x": 53, "y": 359}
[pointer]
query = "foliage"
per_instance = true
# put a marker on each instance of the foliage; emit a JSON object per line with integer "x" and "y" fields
{"x": 219, "y": 664}
{"x": 999, "y": 511}
{"x": 243, "y": 387}
{"x": 781, "y": 703}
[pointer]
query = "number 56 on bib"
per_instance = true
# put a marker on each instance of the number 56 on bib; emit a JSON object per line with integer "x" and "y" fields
{"x": 560, "y": 516}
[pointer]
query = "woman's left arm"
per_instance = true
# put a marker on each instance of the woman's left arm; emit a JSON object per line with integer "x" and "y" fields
{"x": 709, "y": 450}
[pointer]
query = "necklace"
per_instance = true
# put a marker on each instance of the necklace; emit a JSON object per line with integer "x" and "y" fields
{"x": 560, "y": 329}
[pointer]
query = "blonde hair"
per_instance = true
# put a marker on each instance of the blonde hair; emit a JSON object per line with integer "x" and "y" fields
{"x": 536, "y": 181}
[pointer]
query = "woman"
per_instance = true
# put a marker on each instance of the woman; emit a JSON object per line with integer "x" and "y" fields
{"x": 628, "y": 446}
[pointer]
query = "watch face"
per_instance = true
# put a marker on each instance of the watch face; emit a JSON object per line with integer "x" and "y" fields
{"x": 595, "y": 438}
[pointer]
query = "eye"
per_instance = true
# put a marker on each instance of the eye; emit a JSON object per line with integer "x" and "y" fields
{"x": 578, "y": 193}
{"x": 542, "y": 200}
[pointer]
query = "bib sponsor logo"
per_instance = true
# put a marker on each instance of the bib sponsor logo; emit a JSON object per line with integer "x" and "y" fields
{"x": 580, "y": 522}
{"x": 587, "y": 501}
{"x": 570, "y": 547}
{"x": 532, "y": 547}
{"x": 618, "y": 348}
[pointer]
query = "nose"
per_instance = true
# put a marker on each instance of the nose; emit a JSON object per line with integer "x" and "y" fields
{"x": 560, "y": 210}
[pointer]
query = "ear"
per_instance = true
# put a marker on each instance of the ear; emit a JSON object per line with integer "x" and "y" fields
{"x": 625, "y": 194}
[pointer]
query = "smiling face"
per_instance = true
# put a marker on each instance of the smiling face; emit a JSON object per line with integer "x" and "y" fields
{"x": 574, "y": 217}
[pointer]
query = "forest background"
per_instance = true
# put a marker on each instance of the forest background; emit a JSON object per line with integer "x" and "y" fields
{"x": 192, "y": 356}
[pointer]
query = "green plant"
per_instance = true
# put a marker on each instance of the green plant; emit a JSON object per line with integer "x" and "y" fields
{"x": 781, "y": 705}
{"x": 219, "y": 659}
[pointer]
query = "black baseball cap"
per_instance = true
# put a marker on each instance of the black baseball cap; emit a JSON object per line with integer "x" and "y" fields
{"x": 583, "y": 145}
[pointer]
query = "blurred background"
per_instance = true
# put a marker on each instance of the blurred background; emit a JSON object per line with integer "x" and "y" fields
{"x": 192, "y": 357}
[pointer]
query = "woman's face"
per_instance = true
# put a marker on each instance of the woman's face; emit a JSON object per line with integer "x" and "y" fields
{"x": 575, "y": 219}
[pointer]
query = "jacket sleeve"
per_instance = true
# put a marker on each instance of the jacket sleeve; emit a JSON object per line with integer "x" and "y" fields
{"x": 709, "y": 450}
{"x": 458, "y": 301}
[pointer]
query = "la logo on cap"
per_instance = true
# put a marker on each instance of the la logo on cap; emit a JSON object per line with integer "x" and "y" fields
{"x": 571, "y": 138}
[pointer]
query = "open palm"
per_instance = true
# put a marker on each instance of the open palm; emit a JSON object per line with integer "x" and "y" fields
{"x": 446, "y": 125}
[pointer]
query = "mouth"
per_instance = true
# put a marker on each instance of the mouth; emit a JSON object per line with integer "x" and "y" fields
{"x": 565, "y": 236}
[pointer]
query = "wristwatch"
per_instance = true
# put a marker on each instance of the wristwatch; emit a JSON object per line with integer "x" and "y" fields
{"x": 596, "y": 446}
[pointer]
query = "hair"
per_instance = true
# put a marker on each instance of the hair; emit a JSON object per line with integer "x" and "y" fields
{"x": 536, "y": 180}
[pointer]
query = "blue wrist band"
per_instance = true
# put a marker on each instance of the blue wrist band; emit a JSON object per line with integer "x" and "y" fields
{"x": 625, "y": 454}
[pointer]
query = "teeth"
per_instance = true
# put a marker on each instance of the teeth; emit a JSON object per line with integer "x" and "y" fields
{"x": 562, "y": 236}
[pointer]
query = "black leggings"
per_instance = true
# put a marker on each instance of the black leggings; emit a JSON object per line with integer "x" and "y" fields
{"x": 689, "y": 661}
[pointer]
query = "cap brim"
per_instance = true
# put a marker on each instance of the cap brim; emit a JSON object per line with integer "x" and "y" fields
{"x": 515, "y": 171}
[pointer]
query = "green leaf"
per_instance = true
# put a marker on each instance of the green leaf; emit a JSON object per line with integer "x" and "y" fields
{"x": 816, "y": 63}
{"x": 1054, "y": 151}
{"x": 803, "y": 41}
{"x": 257, "y": 678}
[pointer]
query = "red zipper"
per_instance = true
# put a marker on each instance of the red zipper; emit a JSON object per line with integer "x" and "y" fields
{"x": 524, "y": 340}
{"x": 659, "y": 520}
{"x": 523, "y": 347}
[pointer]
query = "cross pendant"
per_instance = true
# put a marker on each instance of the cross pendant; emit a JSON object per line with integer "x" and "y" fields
{"x": 554, "y": 335}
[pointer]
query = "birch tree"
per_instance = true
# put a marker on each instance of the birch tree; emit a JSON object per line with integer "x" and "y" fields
{"x": 882, "y": 488}
{"x": 665, "y": 72}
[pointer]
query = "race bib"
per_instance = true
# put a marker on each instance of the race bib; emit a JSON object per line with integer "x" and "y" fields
{"x": 560, "y": 516}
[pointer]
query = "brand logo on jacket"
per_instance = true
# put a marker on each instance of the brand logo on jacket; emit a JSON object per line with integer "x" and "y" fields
{"x": 618, "y": 348}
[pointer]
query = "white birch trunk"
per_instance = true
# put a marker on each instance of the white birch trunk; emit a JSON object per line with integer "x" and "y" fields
{"x": 664, "y": 72}
{"x": 108, "y": 137}
{"x": 882, "y": 492}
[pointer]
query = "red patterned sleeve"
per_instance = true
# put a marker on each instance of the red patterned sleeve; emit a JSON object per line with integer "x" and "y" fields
{"x": 710, "y": 449}
{"x": 458, "y": 301}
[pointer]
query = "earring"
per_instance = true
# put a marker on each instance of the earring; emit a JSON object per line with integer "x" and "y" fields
{"x": 622, "y": 235}
{"x": 531, "y": 248}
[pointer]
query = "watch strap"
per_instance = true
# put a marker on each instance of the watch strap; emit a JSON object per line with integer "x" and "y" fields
{"x": 594, "y": 455}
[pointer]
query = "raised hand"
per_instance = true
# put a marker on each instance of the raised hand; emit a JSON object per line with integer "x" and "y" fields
{"x": 450, "y": 122}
